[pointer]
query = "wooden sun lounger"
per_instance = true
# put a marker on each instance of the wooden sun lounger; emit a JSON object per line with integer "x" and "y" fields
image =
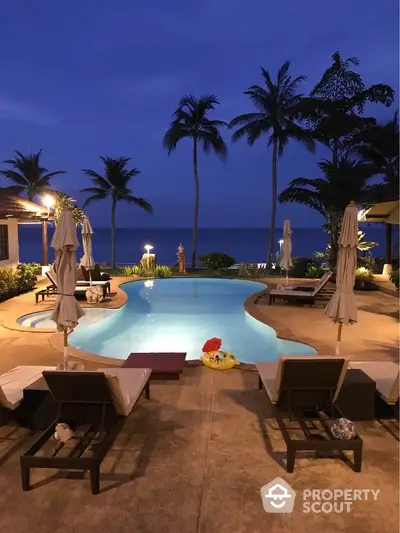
{"x": 81, "y": 286}
{"x": 298, "y": 294}
{"x": 95, "y": 405}
{"x": 304, "y": 389}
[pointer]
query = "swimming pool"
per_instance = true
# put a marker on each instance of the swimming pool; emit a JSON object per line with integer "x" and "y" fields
{"x": 180, "y": 315}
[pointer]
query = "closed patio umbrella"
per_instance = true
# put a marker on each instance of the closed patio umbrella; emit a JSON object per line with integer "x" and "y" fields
{"x": 87, "y": 260}
{"x": 67, "y": 310}
{"x": 342, "y": 308}
{"x": 286, "y": 259}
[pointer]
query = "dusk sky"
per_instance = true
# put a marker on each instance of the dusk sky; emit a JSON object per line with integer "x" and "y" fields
{"x": 90, "y": 78}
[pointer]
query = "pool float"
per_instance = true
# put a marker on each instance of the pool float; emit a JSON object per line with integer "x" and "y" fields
{"x": 214, "y": 358}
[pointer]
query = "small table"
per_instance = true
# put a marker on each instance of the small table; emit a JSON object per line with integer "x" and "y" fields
{"x": 163, "y": 365}
{"x": 356, "y": 400}
{"x": 38, "y": 408}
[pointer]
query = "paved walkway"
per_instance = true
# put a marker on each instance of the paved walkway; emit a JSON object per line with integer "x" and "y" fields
{"x": 192, "y": 459}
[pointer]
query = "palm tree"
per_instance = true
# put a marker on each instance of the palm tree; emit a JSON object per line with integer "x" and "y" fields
{"x": 28, "y": 176}
{"x": 190, "y": 121}
{"x": 341, "y": 184}
{"x": 114, "y": 184}
{"x": 379, "y": 147}
{"x": 274, "y": 117}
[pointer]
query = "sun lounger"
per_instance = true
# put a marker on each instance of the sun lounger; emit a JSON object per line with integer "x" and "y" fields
{"x": 304, "y": 389}
{"x": 95, "y": 405}
{"x": 300, "y": 295}
{"x": 81, "y": 286}
{"x": 386, "y": 377}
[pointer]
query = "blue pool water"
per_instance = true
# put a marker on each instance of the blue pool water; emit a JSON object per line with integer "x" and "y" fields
{"x": 180, "y": 315}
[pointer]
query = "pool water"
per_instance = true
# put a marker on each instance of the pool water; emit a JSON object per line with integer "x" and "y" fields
{"x": 179, "y": 315}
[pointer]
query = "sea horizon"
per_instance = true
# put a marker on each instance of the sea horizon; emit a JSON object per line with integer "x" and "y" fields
{"x": 244, "y": 244}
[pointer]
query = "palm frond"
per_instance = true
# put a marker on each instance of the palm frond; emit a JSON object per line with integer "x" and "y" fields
{"x": 95, "y": 197}
{"x": 140, "y": 202}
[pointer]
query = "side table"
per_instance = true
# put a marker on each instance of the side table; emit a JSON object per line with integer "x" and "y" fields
{"x": 356, "y": 400}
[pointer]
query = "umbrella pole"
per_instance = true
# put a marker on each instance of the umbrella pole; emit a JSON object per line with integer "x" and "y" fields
{"x": 287, "y": 277}
{"x": 90, "y": 277}
{"x": 65, "y": 349}
{"x": 338, "y": 340}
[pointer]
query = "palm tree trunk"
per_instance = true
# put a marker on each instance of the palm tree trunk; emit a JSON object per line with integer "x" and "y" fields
{"x": 113, "y": 258}
{"x": 196, "y": 203}
{"x": 388, "y": 254}
{"x": 273, "y": 201}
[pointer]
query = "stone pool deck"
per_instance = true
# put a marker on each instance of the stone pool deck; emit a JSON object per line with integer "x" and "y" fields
{"x": 194, "y": 457}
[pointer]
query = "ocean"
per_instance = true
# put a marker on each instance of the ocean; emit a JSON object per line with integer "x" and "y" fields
{"x": 243, "y": 244}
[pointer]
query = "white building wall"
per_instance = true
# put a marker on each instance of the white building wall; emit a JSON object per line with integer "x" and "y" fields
{"x": 13, "y": 244}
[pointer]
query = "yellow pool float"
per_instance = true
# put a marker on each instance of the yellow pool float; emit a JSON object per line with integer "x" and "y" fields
{"x": 214, "y": 358}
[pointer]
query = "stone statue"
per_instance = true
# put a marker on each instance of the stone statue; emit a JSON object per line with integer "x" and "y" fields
{"x": 181, "y": 259}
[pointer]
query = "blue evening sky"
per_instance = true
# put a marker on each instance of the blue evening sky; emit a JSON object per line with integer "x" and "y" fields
{"x": 87, "y": 78}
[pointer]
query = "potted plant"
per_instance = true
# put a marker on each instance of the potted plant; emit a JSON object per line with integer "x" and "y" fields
{"x": 364, "y": 278}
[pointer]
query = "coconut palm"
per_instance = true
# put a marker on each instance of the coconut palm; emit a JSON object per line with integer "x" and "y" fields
{"x": 379, "y": 146}
{"x": 341, "y": 184}
{"x": 274, "y": 117}
{"x": 28, "y": 176}
{"x": 114, "y": 185}
{"x": 190, "y": 120}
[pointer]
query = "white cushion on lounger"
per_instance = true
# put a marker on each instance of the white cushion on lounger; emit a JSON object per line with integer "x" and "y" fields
{"x": 386, "y": 376}
{"x": 126, "y": 385}
{"x": 13, "y": 383}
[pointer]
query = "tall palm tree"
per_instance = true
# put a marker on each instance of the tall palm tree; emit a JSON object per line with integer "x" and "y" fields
{"x": 276, "y": 106}
{"x": 28, "y": 176}
{"x": 114, "y": 185}
{"x": 343, "y": 182}
{"x": 379, "y": 147}
{"x": 190, "y": 121}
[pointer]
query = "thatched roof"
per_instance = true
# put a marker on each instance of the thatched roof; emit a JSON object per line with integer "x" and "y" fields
{"x": 12, "y": 206}
{"x": 383, "y": 212}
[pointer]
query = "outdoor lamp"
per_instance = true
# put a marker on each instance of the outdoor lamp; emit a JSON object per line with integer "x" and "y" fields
{"x": 148, "y": 247}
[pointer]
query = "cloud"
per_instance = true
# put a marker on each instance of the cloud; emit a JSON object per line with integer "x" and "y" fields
{"x": 22, "y": 111}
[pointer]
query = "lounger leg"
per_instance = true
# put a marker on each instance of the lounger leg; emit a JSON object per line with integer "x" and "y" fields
{"x": 147, "y": 390}
{"x": 25, "y": 477}
{"x": 95, "y": 479}
{"x": 290, "y": 459}
{"x": 358, "y": 459}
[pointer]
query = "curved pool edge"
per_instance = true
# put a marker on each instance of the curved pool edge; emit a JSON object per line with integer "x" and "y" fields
{"x": 282, "y": 332}
{"x": 56, "y": 339}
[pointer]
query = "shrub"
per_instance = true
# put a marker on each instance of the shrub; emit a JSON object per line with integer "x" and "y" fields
{"x": 394, "y": 277}
{"x": 364, "y": 274}
{"x": 157, "y": 272}
{"x": 163, "y": 272}
{"x": 300, "y": 266}
{"x": 16, "y": 281}
{"x": 314, "y": 271}
{"x": 252, "y": 270}
{"x": 217, "y": 261}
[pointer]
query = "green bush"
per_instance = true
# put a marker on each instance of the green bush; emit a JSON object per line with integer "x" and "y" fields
{"x": 300, "y": 267}
{"x": 394, "y": 277}
{"x": 216, "y": 261}
{"x": 314, "y": 271}
{"x": 364, "y": 274}
{"x": 163, "y": 271}
{"x": 252, "y": 270}
{"x": 14, "y": 281}
{"x": 157, "y": 272}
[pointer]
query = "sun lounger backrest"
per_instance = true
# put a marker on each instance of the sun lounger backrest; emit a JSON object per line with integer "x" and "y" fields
{"x": 52, "y": 277}
{"x": 78, "y": 387}
{"x": 309, "y": 373}
{"x": 322, "y": 282}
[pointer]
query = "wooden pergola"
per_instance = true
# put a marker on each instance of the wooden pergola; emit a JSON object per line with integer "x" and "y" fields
{"x": 26, "y": 212}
